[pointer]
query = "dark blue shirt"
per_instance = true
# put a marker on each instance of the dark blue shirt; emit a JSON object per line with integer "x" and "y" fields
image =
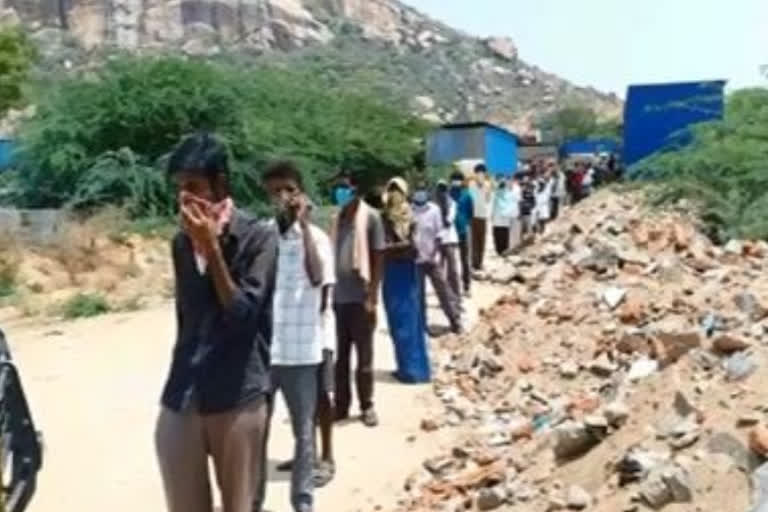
{"x": 221, "y": 357}
{"x": 465, "y": 210}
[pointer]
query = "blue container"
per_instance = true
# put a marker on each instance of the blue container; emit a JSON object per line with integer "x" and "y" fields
{"x": 492, "y": 144}
{"x": 657, "y": 116}
{"x": 6, "y": 154}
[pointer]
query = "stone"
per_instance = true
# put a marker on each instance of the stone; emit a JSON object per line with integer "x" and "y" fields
{"x": 425, "y": 103}
{"x": 614, "y": 296}
{"x": 678, "y": 481}
{"x": 572, "y": 440}
{"x": 642, "y": 368}
{"x": 760, "y": 489}
{"x": 429, "y": 425}
{"x": 676, "y": 344}
{"x": 578, "y": 498}
{"x": 490, "y": 499}
{"x": 603, "y": 366}
{"x": 502, "y": 47}
{"x": 655, "y": 492}
{"x": 633, "y": 343}
{"x": 749, "y": 304}
{"x": 726, "y": 444}
{"x": 739, "y": 366}
{"x": 665, "y": 485}
{"x": 728, "y": 345}
{"x": 569, "y": 370}
{"x": 735, "y": 247}
{"x": 616, "y": 413}
{"x": 758, "y": 441}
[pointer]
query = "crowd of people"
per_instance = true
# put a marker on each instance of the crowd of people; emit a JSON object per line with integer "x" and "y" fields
{"x": 278, "y": 304}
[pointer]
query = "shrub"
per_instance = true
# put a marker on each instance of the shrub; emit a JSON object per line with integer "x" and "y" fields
{"x": 724, "y": 171}
{"x": 17, "y": 54}
{"x": 85, "y": 305}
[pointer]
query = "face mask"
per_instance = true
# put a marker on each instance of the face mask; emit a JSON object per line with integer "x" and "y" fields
{"x": 502, "y": 185}
{"x": 342, "y": 196}
{"x": 420, "y": 197}
{"x": 457, "y": 184}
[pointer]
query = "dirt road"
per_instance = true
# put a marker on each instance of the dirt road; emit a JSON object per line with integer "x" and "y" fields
{"x": 94, "y": 387}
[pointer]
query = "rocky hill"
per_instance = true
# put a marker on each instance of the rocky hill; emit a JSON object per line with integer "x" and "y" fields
{"x": 444, "y": 74}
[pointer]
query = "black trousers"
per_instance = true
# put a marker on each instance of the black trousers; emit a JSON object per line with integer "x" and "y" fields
{"x": 464, "y": 256}
{"x": 501, "y": 239}
{"x": 554, "y": 208}
{"x": 354, "y": 328}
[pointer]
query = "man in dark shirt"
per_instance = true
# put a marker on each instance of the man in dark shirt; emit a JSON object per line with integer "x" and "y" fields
{"x": 358, "y": 238}
{"x": 214, "y": 401}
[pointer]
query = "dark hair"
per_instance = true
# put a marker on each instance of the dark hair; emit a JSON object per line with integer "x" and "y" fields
{"x": 457, "y": 176}
{"x": 283, "y": 169}
{"x": 481, "y": 168}
{"x": 202, "y": 154}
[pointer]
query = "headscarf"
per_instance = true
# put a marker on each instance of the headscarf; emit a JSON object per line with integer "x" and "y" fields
{"x": 396, "y": 207}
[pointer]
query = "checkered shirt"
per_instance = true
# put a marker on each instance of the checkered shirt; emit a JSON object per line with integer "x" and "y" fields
{"x": 300, "y": 330}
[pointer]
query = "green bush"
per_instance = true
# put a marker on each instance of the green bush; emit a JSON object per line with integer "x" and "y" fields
{"x": 85, "y": 305}
{"x": 17, "y": 55}
{"x": 724, "y": 171}
{"x": 102, "y": 139}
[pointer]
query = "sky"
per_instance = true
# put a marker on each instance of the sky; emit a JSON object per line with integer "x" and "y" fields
{"x": 610, "y": 44}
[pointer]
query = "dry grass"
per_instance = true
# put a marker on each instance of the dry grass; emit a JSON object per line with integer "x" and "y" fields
{"x": 99, "y": 259}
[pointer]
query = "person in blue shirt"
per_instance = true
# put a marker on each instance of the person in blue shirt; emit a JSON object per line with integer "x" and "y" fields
{"x": 465, "y": 212}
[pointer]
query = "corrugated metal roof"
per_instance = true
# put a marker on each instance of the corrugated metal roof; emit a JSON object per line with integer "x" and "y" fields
{"x": 476, "y": 124}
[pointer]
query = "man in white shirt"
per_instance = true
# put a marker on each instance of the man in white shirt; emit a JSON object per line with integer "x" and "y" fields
{"x": 481, "y": 189}
{"x": 305, "y": 272}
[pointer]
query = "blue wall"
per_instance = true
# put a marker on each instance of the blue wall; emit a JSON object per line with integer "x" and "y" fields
{"x": 495, "y": 146}
{"x": 656, "y": 116}
{"x": 446, "y": 145}
{"x": 6, "y": 152}
{"x": 500, "y": 151}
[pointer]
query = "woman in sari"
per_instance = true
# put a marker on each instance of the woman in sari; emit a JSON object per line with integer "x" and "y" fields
{"x": 401, "y": 287}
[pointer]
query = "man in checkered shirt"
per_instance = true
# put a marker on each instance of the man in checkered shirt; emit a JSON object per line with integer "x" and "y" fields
{"x": 300, "y": 344}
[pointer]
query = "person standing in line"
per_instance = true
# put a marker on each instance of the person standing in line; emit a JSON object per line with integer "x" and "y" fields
{"x": 588, "y": 180}
{"x": 558, "y": 190}
{"x": 482, "y": 195}
{"x": 543, "y": 200}
{"x": 528, "y": 208}
{"x": 461, "y": 195}
{"x": 515, "y": 227}
{"x": 358, "y": 238}
{"x": 305, "y": 272}
{"x": 215, "y": 400}
{"x": 402, "y": 287}
{"x": 502, "y": 216}
{"x": 429, "y": 226}
{"x": 449, "y": 238}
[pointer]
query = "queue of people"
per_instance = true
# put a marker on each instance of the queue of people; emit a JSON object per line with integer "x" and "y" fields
{"x": 278, "y": 304}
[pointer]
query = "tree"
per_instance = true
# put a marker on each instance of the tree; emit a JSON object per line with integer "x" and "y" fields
{"x": 17, "y": 54}
{"x": 99, "y": 139}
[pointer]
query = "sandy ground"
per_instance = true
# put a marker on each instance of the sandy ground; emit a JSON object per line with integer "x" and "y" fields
{"x": 94, "y": 385}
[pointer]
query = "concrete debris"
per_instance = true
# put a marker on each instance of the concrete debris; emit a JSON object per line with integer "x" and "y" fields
{"x": 624, "y": 340}
{"x": 578, "y": 498}
{"x": 665, "y": 485}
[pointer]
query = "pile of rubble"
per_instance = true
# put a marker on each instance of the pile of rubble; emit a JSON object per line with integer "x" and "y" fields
{"x": 622, "y": 371}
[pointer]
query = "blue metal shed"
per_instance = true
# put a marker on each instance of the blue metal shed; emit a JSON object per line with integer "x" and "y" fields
{"x": 656, "y": 116}
{"x": 492, "y": 144}
{"x": 6, "y": 153}
{"x": 588, "y": 147}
